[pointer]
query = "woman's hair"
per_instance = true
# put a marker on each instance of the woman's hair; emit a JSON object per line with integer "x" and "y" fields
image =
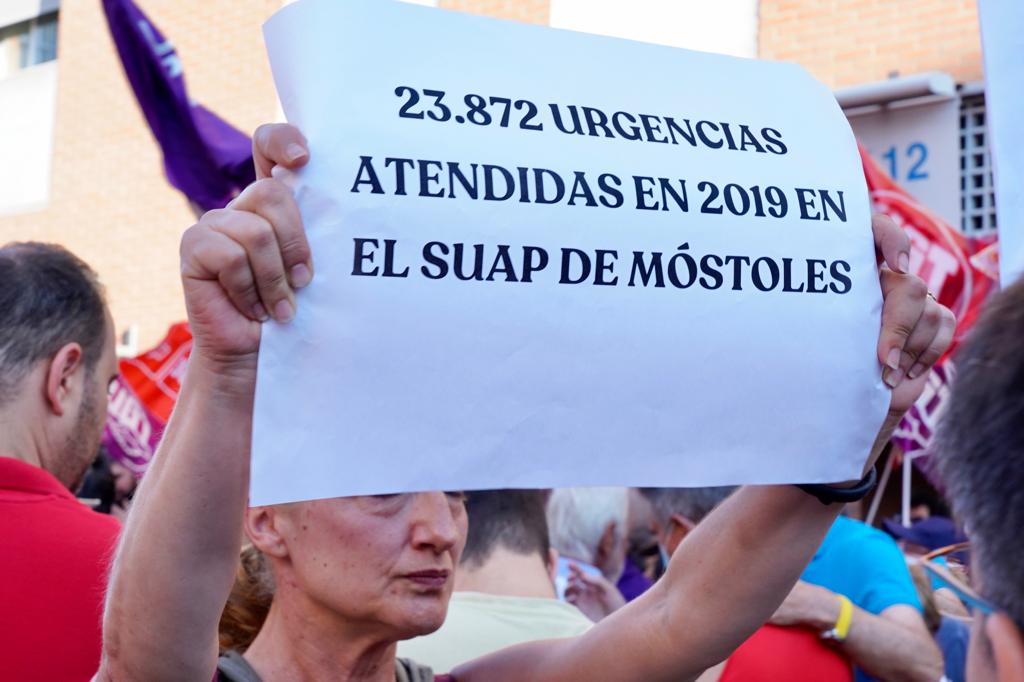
{"x": 248, "y": 602}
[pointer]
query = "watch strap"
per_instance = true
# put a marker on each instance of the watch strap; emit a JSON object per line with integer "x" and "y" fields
{"x": 830, "y": 494}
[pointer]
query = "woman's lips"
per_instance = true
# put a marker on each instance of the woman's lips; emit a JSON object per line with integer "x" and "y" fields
{"x": 435, "y": 578}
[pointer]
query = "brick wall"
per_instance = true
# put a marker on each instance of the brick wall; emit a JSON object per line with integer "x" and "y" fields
{"x": 109, "y": 200}
{"x": 845, "y": 42}
{"x": 532, "y": 11}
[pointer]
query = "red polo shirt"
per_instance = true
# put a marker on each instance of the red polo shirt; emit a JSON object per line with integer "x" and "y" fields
{"x": 54, "y": 557}
{"x": 792, "y": 654}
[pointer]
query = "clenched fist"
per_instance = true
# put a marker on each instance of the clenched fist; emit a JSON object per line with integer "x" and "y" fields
{"x": 241, "y": 265}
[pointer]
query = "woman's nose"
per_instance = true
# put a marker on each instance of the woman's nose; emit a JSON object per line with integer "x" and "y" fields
{"x": 435, "y": 525}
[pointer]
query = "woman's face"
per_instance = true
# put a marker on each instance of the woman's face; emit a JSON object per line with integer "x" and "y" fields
{"x": 385, "y": 563}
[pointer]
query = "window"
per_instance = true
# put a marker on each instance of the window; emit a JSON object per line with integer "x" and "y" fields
{"x": 28, "y": 43}
{"x": 977, "y": 197}
{"x": 28, "y": 105}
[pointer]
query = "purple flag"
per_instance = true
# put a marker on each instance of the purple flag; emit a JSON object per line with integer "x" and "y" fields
{"x": 206, "y": 158}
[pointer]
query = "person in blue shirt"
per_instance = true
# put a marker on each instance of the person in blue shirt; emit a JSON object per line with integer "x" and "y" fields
{"x": 857, "y": 591}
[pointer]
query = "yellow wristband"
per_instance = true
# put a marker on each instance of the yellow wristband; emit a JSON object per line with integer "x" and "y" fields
{"x": 841, "y": 629}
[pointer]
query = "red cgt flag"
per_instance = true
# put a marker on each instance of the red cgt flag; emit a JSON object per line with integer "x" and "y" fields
{"x": 142, "y": 397}
{"x": 940, "y": 255}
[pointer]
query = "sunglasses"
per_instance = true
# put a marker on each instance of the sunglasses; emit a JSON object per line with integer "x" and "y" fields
{"x": 941, "y": 573}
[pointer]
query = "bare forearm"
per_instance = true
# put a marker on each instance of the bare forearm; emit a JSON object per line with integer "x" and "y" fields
{"x": 891, "y": 651}
{"x": 179, "y": 550}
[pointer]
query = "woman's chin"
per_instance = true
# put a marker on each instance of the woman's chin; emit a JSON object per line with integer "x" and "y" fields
{"x": 422, "y": 621}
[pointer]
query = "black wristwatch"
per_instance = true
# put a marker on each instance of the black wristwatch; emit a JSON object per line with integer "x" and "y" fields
{"x": 830, "y": 494}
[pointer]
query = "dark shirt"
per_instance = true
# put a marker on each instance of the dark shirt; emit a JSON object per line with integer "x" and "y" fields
{"x": 632, "y": 583}
{"x": 232, "y": 667}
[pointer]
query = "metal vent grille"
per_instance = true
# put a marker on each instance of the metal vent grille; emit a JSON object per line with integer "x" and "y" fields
{"x": 977, "y": 198}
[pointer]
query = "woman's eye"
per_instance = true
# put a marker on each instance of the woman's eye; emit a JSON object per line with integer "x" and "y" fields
{"x": 456, "y": 496}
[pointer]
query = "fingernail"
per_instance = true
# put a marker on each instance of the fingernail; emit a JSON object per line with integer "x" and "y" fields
{"x": 260, "y": 313}
{"x": 284, "y": 311}
{"x": 892, "y": 377}
{"x": 301, "y": 276}
{"x": 903, "y": 263}
{"x": 893, "y": 360}
{"x": 295, "y": 151}
{"x": 916, "y": 370}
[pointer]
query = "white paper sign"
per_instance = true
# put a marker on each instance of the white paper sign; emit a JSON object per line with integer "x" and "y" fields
{"x": 684, "y": 293}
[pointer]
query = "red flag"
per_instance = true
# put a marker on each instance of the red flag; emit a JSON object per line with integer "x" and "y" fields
{"x": 940, "y": 255}
{"x": 142, "y": 398}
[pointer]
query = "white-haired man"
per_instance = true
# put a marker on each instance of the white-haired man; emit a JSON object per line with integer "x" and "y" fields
{"x": 589, "y": 528}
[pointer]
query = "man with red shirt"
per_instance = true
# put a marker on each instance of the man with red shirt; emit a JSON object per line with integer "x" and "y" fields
{"x": 56, "y": 361}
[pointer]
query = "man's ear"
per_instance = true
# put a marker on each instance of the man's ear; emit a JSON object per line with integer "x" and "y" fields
{"x": 552, "y": 564}
{"x": 261, "y": 525}
{"x": 1007, "y": 647}
{"x": 678, "y": 528}
{"x": 61, "y": 377}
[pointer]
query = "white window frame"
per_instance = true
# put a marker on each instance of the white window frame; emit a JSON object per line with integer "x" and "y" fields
{"x": 978, "y": 216}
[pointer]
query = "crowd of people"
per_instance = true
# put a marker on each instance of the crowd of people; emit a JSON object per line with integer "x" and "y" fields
{"x": 750, "y": 583}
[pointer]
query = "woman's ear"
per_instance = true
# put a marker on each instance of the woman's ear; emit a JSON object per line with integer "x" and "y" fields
{"x": 1007, "y": 647}
{"x": 261, "y": 525}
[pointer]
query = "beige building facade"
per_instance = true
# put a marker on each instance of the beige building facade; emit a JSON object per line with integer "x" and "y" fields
{"x": 107, "y": 198}
{"x": 81, "y": 168}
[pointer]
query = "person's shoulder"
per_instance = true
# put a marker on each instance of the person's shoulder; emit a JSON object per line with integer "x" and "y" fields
{"x": 411, "y": 671}
{"x": 854, "y": 535}
{"x": 232, "y": 667}
{"x": 551, "y": 617}
{"x": 90, "y": 523}
{"x": 852, "y": 553}
{"x": 847, "y": 527}
{"x": 561, "y": 615}
{"x": 784, "y": 653}
{"x": 77, "y": 536}
{"x": 508, "y": 620}
{"x": 876, "y": 570}
{"x": 547, "y": 608}
{"x": 63, "y": 520}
